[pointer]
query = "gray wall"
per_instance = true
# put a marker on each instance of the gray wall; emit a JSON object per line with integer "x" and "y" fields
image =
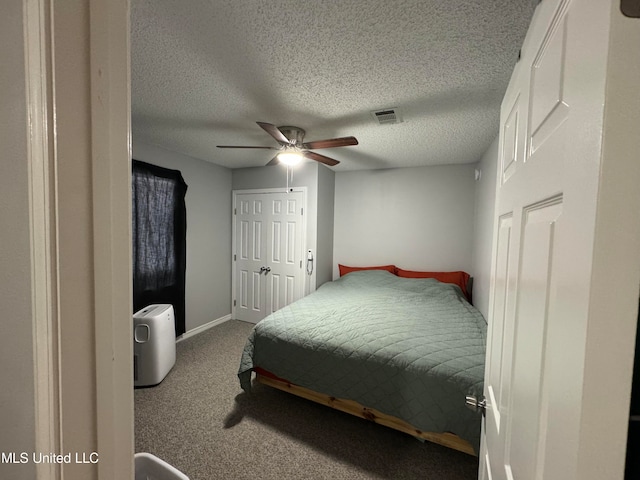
{"x": 483, "y": 227}
{"x": 416, "y": 218}
{"x": 17, "y": 413}
{"x": 324, "y": 250}
{"x": 208, "y": 201}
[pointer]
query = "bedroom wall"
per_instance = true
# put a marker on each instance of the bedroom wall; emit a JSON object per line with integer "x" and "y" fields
{"x": 418, "y": 218}
{"x": 208, "y": 203}
{"x": 485, "y": 199}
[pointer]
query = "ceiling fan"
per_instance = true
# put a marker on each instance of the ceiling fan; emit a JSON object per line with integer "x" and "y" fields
{"x": 293, "y": 149}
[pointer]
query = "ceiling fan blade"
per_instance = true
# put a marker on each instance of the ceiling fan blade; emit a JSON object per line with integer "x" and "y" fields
{"x": 243, "y": 146}
{"x": 274, "y": 161}
{"x": 321, "y": 158}
{"x": 331, "y": 143}
{"x": 274, "y": 132}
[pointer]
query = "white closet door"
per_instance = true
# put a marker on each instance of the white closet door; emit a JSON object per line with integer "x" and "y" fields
{"x": 268, "y": 252}
{"x": 284, "y": 282}
{"x": 250, "y": 257}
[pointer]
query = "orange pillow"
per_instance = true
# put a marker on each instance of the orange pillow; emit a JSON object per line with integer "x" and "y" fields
{"x": 457, "y": 278}
{"x": 344, "y": 269}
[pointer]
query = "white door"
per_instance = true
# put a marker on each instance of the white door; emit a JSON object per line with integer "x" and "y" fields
{"x": 268, "y": 252}
{"x": 543, "y": 314}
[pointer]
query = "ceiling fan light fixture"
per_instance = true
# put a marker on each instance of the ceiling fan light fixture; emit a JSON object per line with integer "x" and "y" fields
{"x": 293, "y": 149}
{"x": 290, "y": 157}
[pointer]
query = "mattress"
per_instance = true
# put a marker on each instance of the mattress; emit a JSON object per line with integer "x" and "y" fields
{"x": 410, "y": 348}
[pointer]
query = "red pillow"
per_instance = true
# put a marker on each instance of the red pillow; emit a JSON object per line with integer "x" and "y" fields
{"x": 457, "y": 278}
{"x": 344, "y": 269}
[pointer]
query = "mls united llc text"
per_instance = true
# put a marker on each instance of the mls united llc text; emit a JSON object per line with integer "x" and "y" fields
{"x": 38, "y": 457}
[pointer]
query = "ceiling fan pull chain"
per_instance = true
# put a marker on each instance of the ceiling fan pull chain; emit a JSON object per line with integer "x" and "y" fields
{"x": 288, "y": 173}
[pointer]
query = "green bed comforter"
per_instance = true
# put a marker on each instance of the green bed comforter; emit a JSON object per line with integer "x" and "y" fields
{"x": 411, "y": 348}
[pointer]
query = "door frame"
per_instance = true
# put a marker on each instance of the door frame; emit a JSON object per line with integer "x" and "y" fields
{"x": 77, "y": 74}
{"x": 257, "y": 191}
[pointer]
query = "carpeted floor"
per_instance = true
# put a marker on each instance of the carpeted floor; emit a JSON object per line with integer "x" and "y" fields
{"x": 199, "y": 420}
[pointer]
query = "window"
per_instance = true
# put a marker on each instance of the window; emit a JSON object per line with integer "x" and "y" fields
{"x": 159, "y": 238}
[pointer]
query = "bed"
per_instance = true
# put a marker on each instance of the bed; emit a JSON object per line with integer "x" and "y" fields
{"x": 403, "y": 352}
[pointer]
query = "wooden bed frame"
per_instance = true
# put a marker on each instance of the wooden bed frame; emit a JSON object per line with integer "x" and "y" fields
{"x": 354, "y": 408}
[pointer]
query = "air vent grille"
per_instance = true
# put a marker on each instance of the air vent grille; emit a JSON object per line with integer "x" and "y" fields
{"x": 387, "y": 116}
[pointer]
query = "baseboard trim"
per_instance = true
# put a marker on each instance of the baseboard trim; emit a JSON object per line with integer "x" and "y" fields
{"x": 204, "y": 327}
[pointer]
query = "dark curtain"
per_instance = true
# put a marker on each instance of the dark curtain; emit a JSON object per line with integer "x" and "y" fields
{"x": 159, "y": 238}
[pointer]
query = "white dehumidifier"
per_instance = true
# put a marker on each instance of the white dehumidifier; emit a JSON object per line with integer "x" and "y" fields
{"x": 154, "y": 344}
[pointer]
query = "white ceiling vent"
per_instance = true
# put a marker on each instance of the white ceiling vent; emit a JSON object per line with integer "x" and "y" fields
{"x": 387, "y": 116}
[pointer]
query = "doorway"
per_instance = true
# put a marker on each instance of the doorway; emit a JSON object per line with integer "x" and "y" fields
{"x": 268, "y": 244}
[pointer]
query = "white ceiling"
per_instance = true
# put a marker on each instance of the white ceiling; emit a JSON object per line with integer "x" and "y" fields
{"x": 204, "y": 71}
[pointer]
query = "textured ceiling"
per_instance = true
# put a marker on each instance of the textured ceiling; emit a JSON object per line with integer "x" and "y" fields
{"x": 204, "y": 71}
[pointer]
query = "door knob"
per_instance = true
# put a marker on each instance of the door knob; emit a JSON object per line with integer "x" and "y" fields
{"x": 478, "y": 406}
{"x": 265, "y": 269}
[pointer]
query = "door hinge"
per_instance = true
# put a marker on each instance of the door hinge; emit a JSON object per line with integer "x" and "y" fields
{"x": 235, "y": 211}
{"x": 478, "y": 405}
{"x": 630, "y": 8}
{"x": 234, "y": 303}
{"x": 300, "y": 263}
{"x": 302, "y": 211}
{"x": 234, "y": 258}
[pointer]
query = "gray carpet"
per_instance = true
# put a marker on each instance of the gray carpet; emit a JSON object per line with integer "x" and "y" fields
{"x": 199, "y": 420}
